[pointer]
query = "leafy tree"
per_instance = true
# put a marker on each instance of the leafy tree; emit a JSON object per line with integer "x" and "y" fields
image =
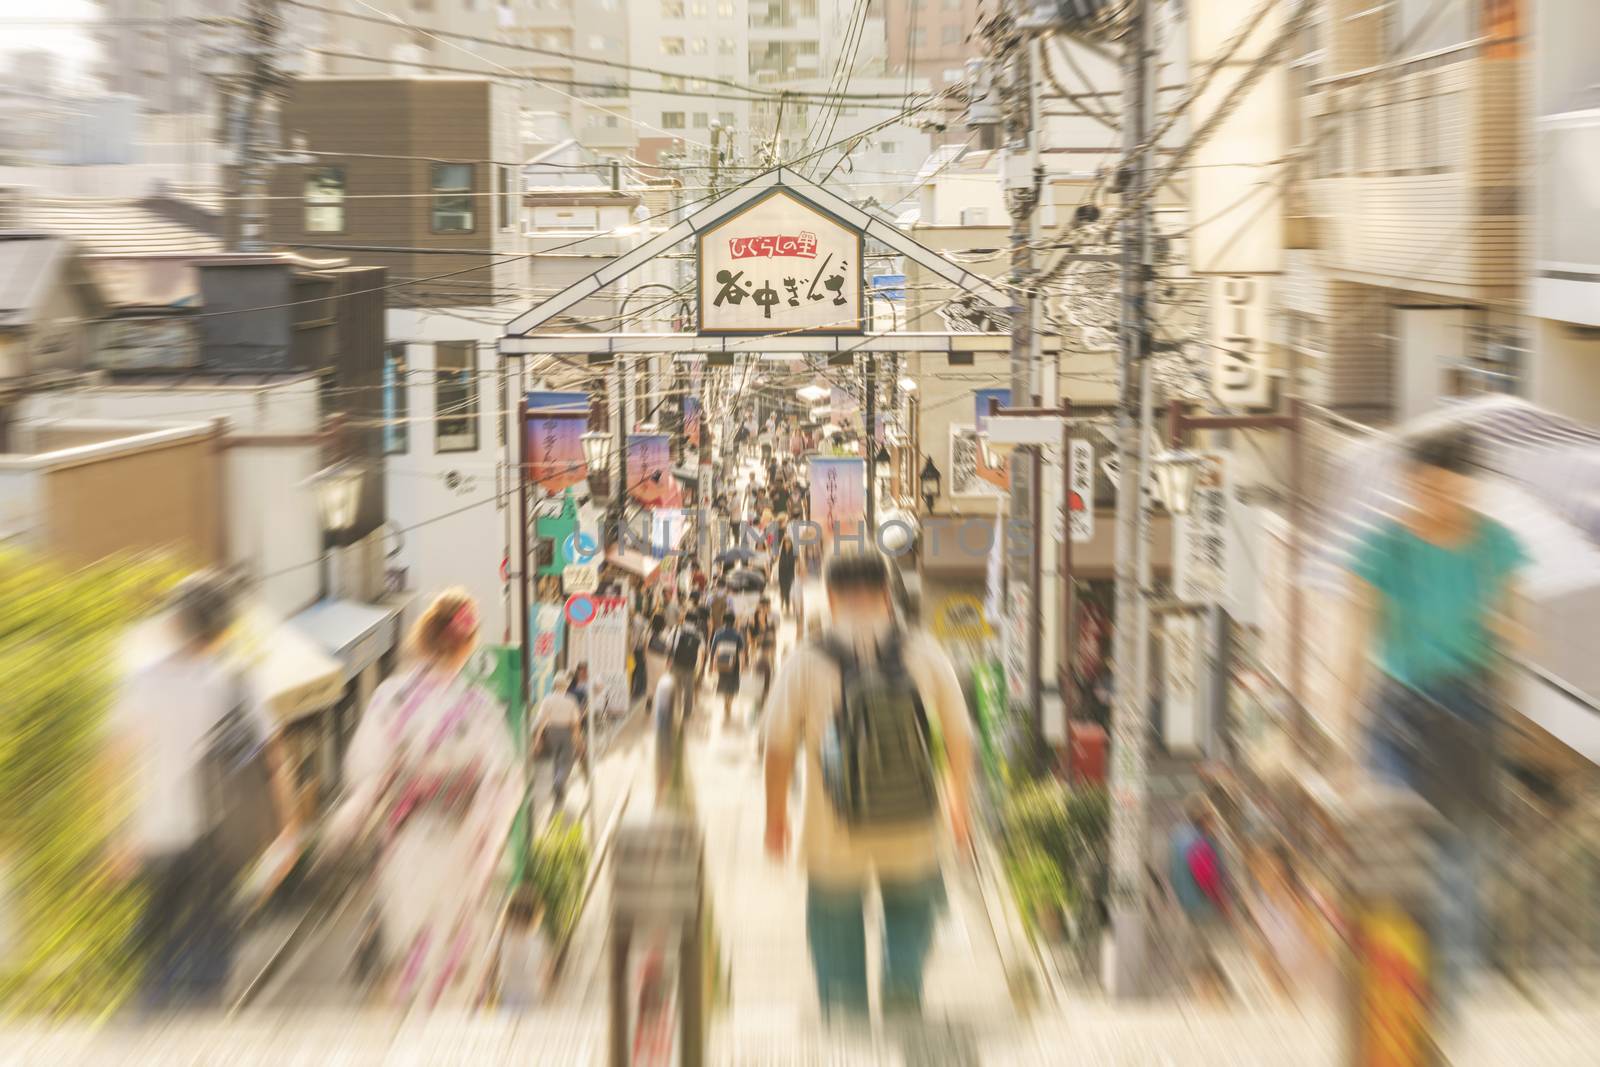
{"x": 71, "y": 921}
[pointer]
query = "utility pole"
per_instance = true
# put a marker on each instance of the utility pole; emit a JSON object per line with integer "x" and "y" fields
{"x": 1024, "y": 178}
{"x": 1125, "y": 964}
{"x": 869, "y": 448}
{"x": 619, "y": 420}
{"x": 255, "y": 157}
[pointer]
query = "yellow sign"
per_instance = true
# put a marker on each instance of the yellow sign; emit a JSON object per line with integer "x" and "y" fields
{"x": 960, "y": 618}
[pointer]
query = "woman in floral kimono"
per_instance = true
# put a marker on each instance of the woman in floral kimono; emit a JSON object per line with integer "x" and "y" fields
{"x": 433, "y": 774}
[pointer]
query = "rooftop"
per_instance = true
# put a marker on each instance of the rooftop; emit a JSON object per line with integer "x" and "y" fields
{"x": 102, "y": 227}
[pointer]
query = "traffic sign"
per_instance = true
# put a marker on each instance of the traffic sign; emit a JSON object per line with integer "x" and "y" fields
{"x": 581, "y": 609}
{"x": 580, "y": 547}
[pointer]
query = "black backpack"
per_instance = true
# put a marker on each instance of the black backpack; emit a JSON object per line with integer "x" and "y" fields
{"x": 686, "y": 649}
{"x": 877, "y": 756}
{"x": 236, "y": 788}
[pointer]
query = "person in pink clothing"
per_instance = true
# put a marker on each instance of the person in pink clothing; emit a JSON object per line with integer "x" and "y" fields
{"x": 433, "y": 775}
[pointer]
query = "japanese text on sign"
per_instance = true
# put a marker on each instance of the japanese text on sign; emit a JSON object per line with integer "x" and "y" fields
{"x": 1080, "y": 489}
{"x": 780, "y": 265}
{"x": 1202, "y": 536}
{"x": 802, "y": 245}
{"x": 1239, "y": 322}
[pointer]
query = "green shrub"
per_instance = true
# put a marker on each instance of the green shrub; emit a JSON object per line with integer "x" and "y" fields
{"x": 1056, "y": 840}
{"x": 558, "y": 862}
{"x": 59, "y": 640}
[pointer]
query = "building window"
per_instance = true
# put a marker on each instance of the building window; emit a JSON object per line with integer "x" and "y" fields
{"x": 503, "y": 175}
{"x": 452, "y": 198}
{"x": 701, "y": 120}
{"x": 672, "y": 9}
{"x": 697, "y": 46}
{"x": 455, "y": 396}
{"x": 888, "y": 148}
{"x": 396, "y": 402}
{"x": 1330, "y": 146}
{"x": 952, "y": 5}
{"x": 671, "y": 83}
{"x": 724, "y": 9}
{"x": 727, "y": 46}
{"x": 325, "y": 200}
{"x": 672, "y": 46}
{"x": 672, "y": 120}
{"x": 726, "y": 118}
{"x": 697, "y": 9}
{"x": 919, "y": 37}
{"x": 951, "y": 34}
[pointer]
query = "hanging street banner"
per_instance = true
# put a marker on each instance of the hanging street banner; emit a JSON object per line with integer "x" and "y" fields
{"x": 781, "y": 266}
{"x": 691, "y": 422}
{"x": 650, "y": 481}
{"x": 1200, "y": 551}
{"x": 555, "y": 427}
{"x": 839, "y": 499}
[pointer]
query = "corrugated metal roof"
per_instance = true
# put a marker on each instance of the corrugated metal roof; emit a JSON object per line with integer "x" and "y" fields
{"x": 116, "y": 228}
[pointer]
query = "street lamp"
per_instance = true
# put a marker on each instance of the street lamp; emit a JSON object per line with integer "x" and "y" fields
{"x": 596, "y": 451}
{"x": 930, "y": 480}
{"x": 1177, "y": 471}
{"x": 338, "y": 490}
{"x": 597, "y": 459}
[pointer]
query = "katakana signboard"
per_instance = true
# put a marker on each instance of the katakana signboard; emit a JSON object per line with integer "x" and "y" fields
{"x": 781, "y": 266}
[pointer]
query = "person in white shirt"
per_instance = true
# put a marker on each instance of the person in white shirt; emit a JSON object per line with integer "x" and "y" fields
{"x": 559, "y": 732}
{"x": 841, "y": 861}
{"x": 161, "y": 727}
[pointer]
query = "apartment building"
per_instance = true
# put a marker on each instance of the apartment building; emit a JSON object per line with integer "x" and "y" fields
{"x": 580, "y": 41}
{"x": 1404, "y": 280}
{"x": 422, "y": 176}
{"x": 695, "y": 40}
{"x": 931, "y": 38}
{"x": 1564, "y": 282}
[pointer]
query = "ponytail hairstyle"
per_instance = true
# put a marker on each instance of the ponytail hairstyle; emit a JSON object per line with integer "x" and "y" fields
{"x": 449, "y": 626}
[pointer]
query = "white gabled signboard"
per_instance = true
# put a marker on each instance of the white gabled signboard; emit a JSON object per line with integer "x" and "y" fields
{"x": 780, "y": 267}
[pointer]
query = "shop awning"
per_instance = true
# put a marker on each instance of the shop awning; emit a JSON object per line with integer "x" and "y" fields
{"x": 637, "y": 564}
{"x": 354, "y": 633}
{"x": 286, "y": 669}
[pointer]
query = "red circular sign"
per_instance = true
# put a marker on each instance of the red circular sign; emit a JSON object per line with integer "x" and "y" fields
{"x": 581, "y": 609}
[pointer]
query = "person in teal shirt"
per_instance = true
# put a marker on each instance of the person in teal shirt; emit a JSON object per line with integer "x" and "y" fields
{"x": 1430, "y": 595}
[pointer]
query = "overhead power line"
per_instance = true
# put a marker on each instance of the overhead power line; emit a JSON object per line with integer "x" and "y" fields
{"x": 883, "y": 105}
{"x": 568, "y": 56}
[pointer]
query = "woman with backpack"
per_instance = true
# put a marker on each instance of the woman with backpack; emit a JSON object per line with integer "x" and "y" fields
{"x": 728, "y": 653}
{"x": 434, "y": 779}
